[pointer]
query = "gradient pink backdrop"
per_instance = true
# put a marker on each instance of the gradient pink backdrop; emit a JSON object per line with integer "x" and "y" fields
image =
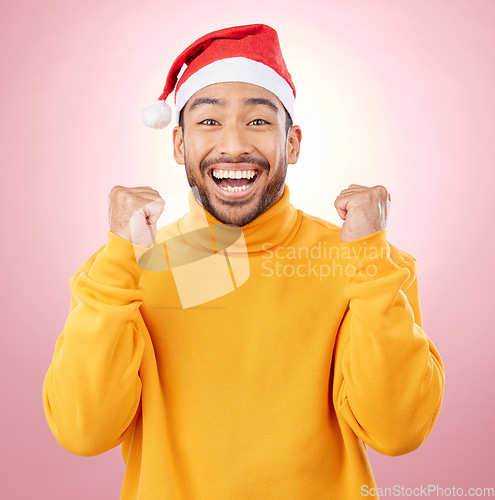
{"x": 394, "y": 92}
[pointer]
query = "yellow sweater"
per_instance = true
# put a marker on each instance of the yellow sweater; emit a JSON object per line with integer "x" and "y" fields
{"x": 269, "y": 392}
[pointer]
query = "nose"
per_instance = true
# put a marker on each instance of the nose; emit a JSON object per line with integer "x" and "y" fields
{"x": 233, "y": 141}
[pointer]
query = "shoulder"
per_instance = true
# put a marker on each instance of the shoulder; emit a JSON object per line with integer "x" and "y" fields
{"x": 325, "y": 229}
{"x": 401, "y": 256}
{"x": 317, "y": 223}
{"x": 168, "y": 231}
{"x": 314, "y": 229}
{"x": 87, "y": 264}
{"x": 164, "y": 233}
{"x": 405, "y": 260}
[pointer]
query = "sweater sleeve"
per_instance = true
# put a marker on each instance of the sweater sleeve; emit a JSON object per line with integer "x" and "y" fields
{"x": 389, "y": 377}
{"x": 92, "y": 388}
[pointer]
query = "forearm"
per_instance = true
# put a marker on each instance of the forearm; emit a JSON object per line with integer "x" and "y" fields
{"x": 92, "y": 388}
{"x": 392, "y": 376}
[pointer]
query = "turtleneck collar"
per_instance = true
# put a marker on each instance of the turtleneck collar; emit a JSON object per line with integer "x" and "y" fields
{"x": 276, "y": 226}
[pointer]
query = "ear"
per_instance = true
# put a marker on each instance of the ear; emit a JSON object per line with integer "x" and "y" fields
{"x": 178, "y": 139}
{"x": 294, "y": 144}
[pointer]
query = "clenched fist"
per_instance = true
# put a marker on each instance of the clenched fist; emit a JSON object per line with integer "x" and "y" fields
{"x": 364, "y": 211}
{"x": 133, "y": 213}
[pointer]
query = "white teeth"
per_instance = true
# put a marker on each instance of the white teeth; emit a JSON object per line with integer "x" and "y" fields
{"x": 237, "y": 188}
{"x": 233, "y": 174}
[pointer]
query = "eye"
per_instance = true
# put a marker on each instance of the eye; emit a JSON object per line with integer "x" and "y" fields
{"x": 263, "y": 122}
{"x": 208, "y": 121}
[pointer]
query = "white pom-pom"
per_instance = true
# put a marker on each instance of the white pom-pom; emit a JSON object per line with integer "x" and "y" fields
{"x": 158, "y": 115}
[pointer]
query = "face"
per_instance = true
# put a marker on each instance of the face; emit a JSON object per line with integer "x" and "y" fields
{"x": 235, "y": 150}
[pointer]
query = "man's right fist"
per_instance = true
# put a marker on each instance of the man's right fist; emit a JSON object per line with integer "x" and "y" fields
{"x": 133, "y": 213}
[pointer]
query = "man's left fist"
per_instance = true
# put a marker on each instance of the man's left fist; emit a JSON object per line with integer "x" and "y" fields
{"x": 363, "y": 209}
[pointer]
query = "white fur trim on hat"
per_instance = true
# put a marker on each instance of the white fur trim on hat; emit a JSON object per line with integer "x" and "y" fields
{"x": 236, "y": 69}
{"x": 158, "y": 115}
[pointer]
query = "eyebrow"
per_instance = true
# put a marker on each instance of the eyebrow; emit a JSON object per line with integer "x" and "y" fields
{"x": 199, "y": 101}
{"x": 252, "y": 101}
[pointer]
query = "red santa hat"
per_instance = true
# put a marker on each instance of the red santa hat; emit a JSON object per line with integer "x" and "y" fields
{"x": 249, "y": 54}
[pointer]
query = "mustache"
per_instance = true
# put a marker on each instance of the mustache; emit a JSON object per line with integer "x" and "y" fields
{"x": 261, "y": 162}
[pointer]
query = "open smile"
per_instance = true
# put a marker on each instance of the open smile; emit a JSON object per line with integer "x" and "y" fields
{"x": 234, "y": 183}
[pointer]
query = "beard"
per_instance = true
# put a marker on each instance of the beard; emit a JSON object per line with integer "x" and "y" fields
{"x": 231, "y": 211}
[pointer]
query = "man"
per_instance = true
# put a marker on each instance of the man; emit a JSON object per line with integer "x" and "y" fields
{"x": 249, "y": 350}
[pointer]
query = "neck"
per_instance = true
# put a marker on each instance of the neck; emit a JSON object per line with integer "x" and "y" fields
{"x": 275, "y": 226}
{"x": 234, "y": 219}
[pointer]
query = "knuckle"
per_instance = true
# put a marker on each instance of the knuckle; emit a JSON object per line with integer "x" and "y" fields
{"x": 134, "y": 199}
{"x": 370, "y": 195}
{"x": 119, "y": 191}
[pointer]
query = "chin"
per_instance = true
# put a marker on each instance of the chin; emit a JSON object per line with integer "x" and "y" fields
{"x": 235, "y": 213}
{"x": 237, "y": 208}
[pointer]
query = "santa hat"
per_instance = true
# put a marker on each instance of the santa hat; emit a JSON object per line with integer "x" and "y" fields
{"x": 249, "y": 54}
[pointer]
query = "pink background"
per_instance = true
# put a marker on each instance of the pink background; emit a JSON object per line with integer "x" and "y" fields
{"x": 390, "y": 92}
